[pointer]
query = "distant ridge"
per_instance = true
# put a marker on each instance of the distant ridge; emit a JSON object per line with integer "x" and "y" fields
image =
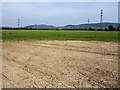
{"x": 81, "y": 26}
{"x": 42, "y": 26}
{"x": 93, "y": 25}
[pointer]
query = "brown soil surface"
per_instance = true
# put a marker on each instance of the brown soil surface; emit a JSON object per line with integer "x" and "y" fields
{"x": 60, "y": 64}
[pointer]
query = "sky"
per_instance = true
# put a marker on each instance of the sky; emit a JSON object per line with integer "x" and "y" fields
{"x": 60, "y": 0}
{"x": 57, "y": 13}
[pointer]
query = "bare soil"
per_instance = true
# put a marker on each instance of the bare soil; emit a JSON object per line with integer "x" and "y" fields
{"x": 60, "y": 64}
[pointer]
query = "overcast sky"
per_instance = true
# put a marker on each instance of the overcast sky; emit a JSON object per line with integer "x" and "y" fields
{"x": 57, "y": 13}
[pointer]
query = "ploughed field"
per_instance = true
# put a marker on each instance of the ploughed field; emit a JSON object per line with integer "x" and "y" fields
{"x": 59, "y": 64}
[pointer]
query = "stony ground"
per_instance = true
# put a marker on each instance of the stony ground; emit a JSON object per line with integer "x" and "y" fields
{"x": 59, "y": 64}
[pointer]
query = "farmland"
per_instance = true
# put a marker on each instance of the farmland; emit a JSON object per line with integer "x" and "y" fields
{"x": 59, "y": 59}
{"x": 33, "y": 35}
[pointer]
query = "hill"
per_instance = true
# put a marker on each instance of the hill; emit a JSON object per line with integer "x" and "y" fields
{"x": 81, "y": 26}
{"x": 92, "y": 25}
{"x": 43, "y": 26}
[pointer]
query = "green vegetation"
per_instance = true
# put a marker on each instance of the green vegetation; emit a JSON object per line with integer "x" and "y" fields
{"x": 32, "y": 35}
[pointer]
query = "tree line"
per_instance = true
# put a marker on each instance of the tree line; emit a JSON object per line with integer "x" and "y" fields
{"x": 110, "y": 28}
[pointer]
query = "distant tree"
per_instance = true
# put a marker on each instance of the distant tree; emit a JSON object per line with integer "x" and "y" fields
{"x": 110, "y": 28}
{"x": 106, "y": 29}
{"x": 91, "y": 29}
{"x": 114, "y": 29}
{"x": 118, "y": 28}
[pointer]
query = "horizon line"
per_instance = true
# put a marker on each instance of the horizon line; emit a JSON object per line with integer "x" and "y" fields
{"x": 61, "y": 25}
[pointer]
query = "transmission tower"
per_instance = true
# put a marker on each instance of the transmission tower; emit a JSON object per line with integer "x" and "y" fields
{"x": 101, "y": 19}
{"x": 88, "y": 21}
{"x": 119, "y": 12}
{"x": 101, "y": 16}
{"x": 18, "y": 22}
